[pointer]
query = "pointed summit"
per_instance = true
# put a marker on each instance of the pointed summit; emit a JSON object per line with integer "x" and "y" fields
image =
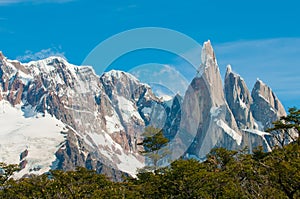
{"x": 211, "y": 74}
{"x": 207, "y": 52}
{"x": 1, "y": 55}
{"x": 238, "y": 99}
{"x": 228, "y": 70}
{"x": 266, "y": 107}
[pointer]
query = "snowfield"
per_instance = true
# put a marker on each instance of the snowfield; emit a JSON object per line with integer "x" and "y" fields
{"x": 40, "y": 135}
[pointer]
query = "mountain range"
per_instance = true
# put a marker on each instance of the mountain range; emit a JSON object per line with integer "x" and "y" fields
{"x": 55, "y": 115}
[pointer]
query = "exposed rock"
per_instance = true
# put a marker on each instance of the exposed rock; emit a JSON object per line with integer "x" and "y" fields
{"x": 23, "y": 154}
{"x": 216, "y": 124}
{"x": 239, "y": 99}
{"x": 266, "y": 107}
{"x": 23, "y": 164}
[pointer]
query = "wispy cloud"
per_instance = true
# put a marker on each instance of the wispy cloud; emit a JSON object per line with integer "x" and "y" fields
{"x": 45, "y": 53}
{"x": 9, "y": 2}
{"x": 162, "y": 75}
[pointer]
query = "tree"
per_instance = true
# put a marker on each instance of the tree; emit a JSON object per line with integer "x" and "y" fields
{"x": 284, "y": 163}
{"x": 154, "y": 140}
{"x": 6, "y": 171}
{"x": 287, "y": 128}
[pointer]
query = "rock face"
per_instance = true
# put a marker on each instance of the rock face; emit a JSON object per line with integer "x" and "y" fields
{"x": 266, "y": 106}
{"x": 239, "y": 99}
{"x": 216, "y": 124}
{"x": 226, "y": 116}
{"x": 245, "y": 109}
{"x": 97, "y": 121}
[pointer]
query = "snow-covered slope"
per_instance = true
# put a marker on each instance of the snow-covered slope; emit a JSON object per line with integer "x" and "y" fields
{"x": 37, "y": 138}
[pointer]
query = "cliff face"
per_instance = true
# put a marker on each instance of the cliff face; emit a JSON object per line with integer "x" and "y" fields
{"x": 239, "y": 99}
{"x": 97, "y": 121}
{"x": 216, "y": 124}
{"x": 266, "y": 106}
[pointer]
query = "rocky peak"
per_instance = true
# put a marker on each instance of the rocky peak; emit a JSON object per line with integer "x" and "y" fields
{"x": 238, "y": 99}
{"x": 266, "y": 106}
{"x": 1, "y": 55}
{"x": 205, "y": 103}
{"x": 228, "y": 70}
{"x": 124, "y": 84}
{"x": 211, "y": 74}
{"x": 115, "y": 76}
{"x": 207, "y": 53}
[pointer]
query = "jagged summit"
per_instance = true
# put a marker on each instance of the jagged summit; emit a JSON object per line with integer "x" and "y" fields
{"x": 259, "y": 83}
{"x": 266, "y": 106}
{"x": 117, "y": 74}
{"x": 228, "y": 69}
{"x": 207, "y": 53}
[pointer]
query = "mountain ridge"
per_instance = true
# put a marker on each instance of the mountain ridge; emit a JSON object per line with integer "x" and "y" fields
{"x": 104, "y": 116}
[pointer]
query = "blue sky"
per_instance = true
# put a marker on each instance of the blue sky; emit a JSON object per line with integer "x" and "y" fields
{"x": 258, "y": 38}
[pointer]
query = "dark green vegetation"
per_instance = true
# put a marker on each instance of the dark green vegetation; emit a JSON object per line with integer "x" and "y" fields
{"x": 153, "y": 143}
{"x": 225, "y": 174}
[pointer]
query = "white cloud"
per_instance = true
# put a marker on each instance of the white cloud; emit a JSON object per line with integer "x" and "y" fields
{"x": 9, "y": 2}
{"x": 161, "y": 75}
{"x": 45, "y": 53}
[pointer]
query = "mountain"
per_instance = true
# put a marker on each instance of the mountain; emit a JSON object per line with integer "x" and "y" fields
{"x": 100, "y": 118}
{"x": 55, "y": 115}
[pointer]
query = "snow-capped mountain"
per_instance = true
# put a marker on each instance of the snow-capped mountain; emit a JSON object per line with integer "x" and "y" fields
{"x": 55, "y": 115}
{"x": 100, "y": 118}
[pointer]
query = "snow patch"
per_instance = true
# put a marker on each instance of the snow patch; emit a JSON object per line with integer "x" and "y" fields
{"x": 259, "y": 133}
{"x": 127, "y": 109}
{"x": 232, "y": 133}
{"x": 259, "y": 125}
{"x": 242, "y": 104}
{"x": 113, "y": 123}
{"x": 263, "y": 98}
{"x": 127, "y": 162}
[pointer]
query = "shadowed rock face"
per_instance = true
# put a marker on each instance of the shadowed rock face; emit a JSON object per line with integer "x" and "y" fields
{"x": 266, "y": 107}
{"x": 106, "y": 115}
{"x": 253, "y": 113}
{"x": 239, "y": 99}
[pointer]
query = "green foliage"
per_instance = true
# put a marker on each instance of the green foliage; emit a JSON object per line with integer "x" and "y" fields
{"x": 6, "y": 171}
{"x": 225, "y": 174}
{"x": 153, "y": 142}
{"x": 287, "y": 128}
